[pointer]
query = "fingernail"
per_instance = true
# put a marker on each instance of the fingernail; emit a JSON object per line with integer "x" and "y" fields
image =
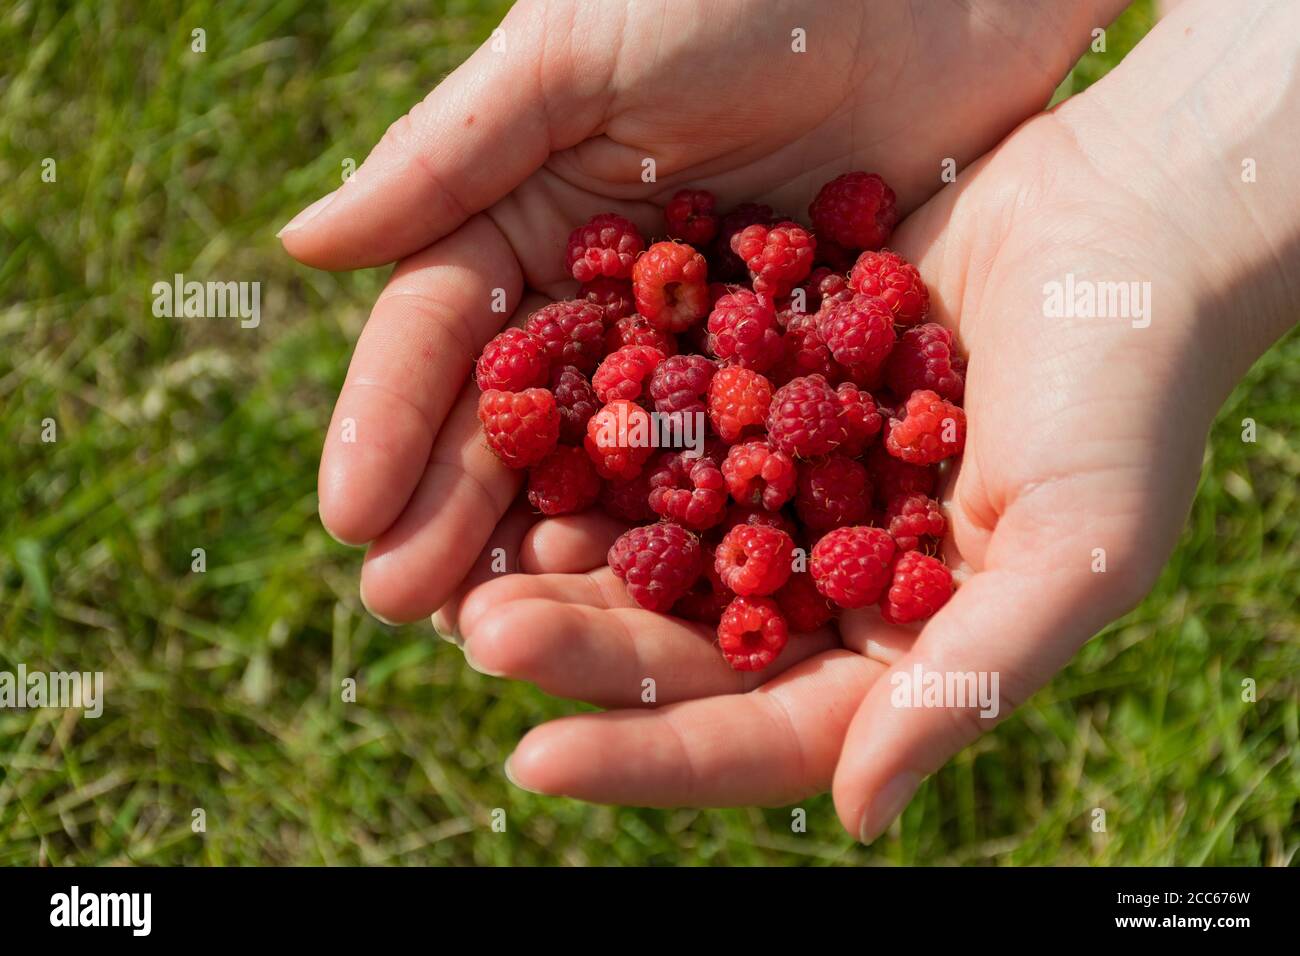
{"x": 469, "y": 659}
{"x": 444, "y": 628}
{"x": 511, "y": 777}
{"x": 307, "y": 215}
{"x": 888, "y": 804}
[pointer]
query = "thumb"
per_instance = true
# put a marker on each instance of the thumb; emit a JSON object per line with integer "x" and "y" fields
{"x": 1001, "y": 637}
{"x": 473, "y": 139}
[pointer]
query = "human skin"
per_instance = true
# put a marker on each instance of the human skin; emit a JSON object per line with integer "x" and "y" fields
{"x": 1085, "y": 434}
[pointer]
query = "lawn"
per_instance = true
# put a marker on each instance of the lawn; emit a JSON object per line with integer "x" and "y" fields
{"x": 223, "y": 686}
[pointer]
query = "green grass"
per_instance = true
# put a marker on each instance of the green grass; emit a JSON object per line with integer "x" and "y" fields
{"x": 223, "y": 686}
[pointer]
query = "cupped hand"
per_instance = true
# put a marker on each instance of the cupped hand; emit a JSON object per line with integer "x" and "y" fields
{"x": 1084, "y": 446}
{"x": 551, "y": 123}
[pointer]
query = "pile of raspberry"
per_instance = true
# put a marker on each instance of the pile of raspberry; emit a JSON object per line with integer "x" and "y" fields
{"x": 827, "y": 405}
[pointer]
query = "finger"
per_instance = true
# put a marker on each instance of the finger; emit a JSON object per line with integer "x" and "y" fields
{"x": 413, "y": 356}
{"x": 612, "y": 657}
{"x": 416, "y": 564}
{"x": 771, "y": 747}
{"x": 570, "y": 544}
{"x": 499, "y": 555}
{"x": 475, "y": 137}
{"x": 998, "y": 639}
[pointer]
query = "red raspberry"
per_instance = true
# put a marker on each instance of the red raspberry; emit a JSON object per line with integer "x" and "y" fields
{"x": 889, "y": 276}
{"x": 860, "y": 416}
{"x": 925, "y": 358}
{"x": 671, "y": 284}
{"x": 739, "y": 399}
{"x": 691, "y": 217}
{"x": 919, "y": 586}
{"x": 690, "y": 491}
{"x": 913, "y": 520}
{"x": 859, "y": 332}
{"x": 832, "y": 492}
{"x": 618, "y": 439}
{"x": 856, "y": 210}
{"x": 832, "y": 255}
{"x": 778, "y": 257}
{"x": 635, "y": 330}
{"x": 605, "y": 245}
{"x": 805, "y": 608}
{"x": 625, "y": 373}
{"x": 576, "y": 400}
{"x": 574, "y": 332}
{"x": 513, "y": 361}
{"x": 563, "y": 482}
{"x": 679, "y": 384}
{"x": 752, "y": 633}
{"x": 804, "y": 353}
{"x": 931, "y": 430}
{"x": 629, "y": 499}
{"x": 521, "y": 427}
{"x": 743, "y": 331}
{"x": 729, "y": 265}
{"x": 658, "y": 563}
{"x": 852, "y": 565}
{"x": 758, "y": 474}
{"x": 754, "y": 559}
{"x": 708, "y": 596}
{"x": 820, "y": 283}
{"x": 804, "y": 420}
{"x": 747, "y": 514}
{"x": 893, "y": 477}
{"x": 612, "y": 295}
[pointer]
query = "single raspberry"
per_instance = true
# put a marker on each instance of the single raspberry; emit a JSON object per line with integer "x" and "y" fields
{"x": 513, "y": 361}
{"x": 748, "y": 514}
{"x": 758, "y": 474}
{"x": 708, "y": 596}
{"x": 680, "y": 383}
{"x": 690, "y": 491}
{"x": 804, "y": 353}
{"x": 691, "y": 217}
{"x": 856, "y": 210}
{"x": 892, "y": 477}
{"x": 629, "y": 499}
{"x": 563, "y": 482}
{"x": 671, "y": 284}
{"x": 576, "y": 400}
{"x": 619, "y": 439}
{"x": 890, "y": 277}
{"x": 752, "y": 633}
{"x": 918, "y": 587}
{"x": 832, "y": 492}
{"x": 858, "y": 331}
{"x": 613, "y": 295}
{"x": 778, "y": 257}
{"x": 743, "y": 331}
{"x": 804, "y": 607}
{"x": 754, "y": 559}
{"x": 739, "y": 399}
{"x": 635, "y": 330}
{"x": 521, "y": 427}
{"x": 804, "y": 420}
{"x": 728, "y": 264}
{"x": 625, "y": 373}
{"x": 820, "y": 283}
{"x": 574, "y": 332}
{"x": 861, "y": 419}
{"x": 605, "y": 245}
{"x": 658, "y": 563}
{"x": 851, "y": 565}
{"x": 914, "y": 520}
{"x": 925, "y": 358}
{"x": 931, "y": 430}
